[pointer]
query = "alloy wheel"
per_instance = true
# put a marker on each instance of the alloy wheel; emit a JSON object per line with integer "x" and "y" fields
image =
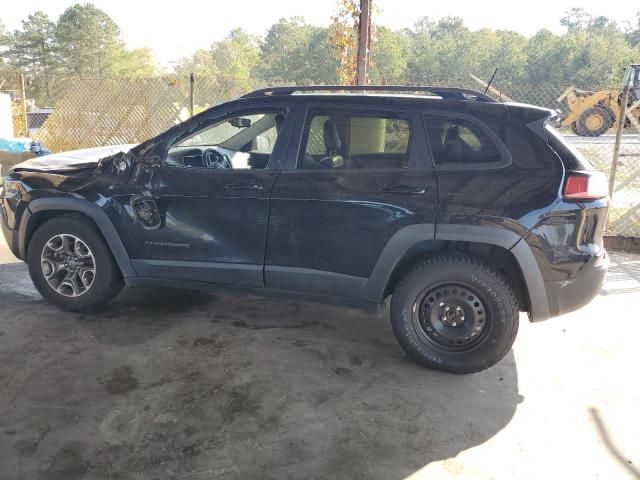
{"x": 68, "y": 265}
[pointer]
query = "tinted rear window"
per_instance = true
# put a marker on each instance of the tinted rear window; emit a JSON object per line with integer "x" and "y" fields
{"x": 456, "y": 141}
{"x": 344, "y": 139}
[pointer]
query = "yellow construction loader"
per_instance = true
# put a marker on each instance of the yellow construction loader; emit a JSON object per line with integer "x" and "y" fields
{"x": 593, "y": 113}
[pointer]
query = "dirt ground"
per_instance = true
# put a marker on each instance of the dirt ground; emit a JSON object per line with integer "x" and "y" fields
{"x": 183, "y": 385}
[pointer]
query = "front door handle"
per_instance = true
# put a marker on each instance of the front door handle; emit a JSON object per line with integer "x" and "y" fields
{"x": 244, "y": 186}
{"x": 404, "y": 190}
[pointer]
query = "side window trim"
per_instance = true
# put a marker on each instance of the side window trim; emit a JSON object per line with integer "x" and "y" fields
{"x": 416, "y": 138}
{"x": 505, "y": 154}
{"x": 280, "y": 148}
{"x": 420, "y": 157}
{"x": 295, "y": 142}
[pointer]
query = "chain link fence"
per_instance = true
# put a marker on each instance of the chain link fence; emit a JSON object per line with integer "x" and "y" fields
{"x": 588, "y": 119}
{"x": 84, "y": 112}
{"x": 92, "y": 112}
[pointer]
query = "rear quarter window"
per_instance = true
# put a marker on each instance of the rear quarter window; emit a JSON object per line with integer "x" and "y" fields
{"x": 459, "y": 142}
{"x": 570, "y": 155}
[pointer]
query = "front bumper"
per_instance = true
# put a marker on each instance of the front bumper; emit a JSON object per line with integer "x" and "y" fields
{"x": 568, "y": 296}
{"x": 10, "y": 236}
{"x": 11, "y": 208}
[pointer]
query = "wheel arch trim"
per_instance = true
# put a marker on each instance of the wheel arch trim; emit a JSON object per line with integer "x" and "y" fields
{"x": 409, "y": 236}
{"x": 90, "y": 210}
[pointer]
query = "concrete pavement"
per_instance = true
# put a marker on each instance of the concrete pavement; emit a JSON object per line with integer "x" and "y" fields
{"x": 177, "y": 384}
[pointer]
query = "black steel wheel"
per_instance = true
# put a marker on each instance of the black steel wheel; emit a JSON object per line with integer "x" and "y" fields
{"x": 451, "y": 316}
{"x": 454, "y": 313}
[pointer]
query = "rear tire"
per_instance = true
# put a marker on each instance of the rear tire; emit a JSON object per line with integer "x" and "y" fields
{"x": 71, "y": 265}
{"x": 454, "y": 313}
{"x": 594, "y": 121}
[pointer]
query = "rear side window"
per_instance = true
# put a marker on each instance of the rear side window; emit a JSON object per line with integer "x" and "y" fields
{"x": 460, "y": 141}
{"x": 344, "y": 139}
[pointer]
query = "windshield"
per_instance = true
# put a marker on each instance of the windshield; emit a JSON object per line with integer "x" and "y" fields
{"x": 220, "y": 133}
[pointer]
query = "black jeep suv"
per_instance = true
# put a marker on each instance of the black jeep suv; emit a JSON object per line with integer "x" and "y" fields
{"x": 464, "y": 210}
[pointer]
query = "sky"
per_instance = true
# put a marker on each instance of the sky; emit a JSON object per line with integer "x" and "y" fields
{"x": 176, "y": 29}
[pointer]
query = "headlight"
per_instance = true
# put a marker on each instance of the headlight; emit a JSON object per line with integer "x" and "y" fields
{"x": 10, "y": 187}
{"x": 11, "y": 190}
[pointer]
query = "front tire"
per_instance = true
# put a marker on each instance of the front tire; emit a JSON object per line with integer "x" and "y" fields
{"x": 454, "y": 313}
{"x": 71, "y": 265}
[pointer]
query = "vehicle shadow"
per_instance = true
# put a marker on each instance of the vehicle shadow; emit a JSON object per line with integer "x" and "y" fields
{"x": 235, "y": 385}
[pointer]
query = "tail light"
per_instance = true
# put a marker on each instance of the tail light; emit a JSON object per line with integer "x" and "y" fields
{"x": 585, "y": 186}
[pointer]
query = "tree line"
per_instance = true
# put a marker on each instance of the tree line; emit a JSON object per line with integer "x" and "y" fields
{"x": 84, "y": 41}
{"x": 592, "y": 52}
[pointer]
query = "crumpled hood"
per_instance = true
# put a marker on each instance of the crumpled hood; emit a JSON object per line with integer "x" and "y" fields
{"x": 70, "y": 161}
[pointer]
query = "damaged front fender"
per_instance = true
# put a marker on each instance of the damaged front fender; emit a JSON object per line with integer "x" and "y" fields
{"x": 76, "y": 160}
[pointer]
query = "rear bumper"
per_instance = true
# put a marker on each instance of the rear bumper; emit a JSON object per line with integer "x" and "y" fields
{"x": 568, "y": 296}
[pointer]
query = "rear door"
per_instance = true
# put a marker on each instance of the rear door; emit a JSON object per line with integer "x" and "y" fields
{"x": 352, "y": 178}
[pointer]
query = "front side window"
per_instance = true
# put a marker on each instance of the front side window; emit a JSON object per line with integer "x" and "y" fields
{"x": 240, "y": 142}
{"x": 342, "y": 139}
{"x": 459, "y": 141}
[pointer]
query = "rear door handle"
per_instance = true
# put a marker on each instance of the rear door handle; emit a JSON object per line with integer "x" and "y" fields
{"x": 404, "y": 190}
{"x": 243, "y": 186}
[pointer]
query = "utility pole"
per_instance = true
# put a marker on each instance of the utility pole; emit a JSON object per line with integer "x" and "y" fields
{"x": 192, "y": 88}
{"x": 621, "y": 121}
{"x": 364, "y": 42}
{"x": 23, "y": 107}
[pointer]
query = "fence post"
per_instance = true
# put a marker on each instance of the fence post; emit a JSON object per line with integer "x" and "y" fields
{"x": 616, "y": 148}
{"x": 23, "y": 106}
{"x": 192, "y": 86}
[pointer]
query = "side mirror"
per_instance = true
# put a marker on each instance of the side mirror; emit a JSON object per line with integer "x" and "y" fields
{"x": 240, "y": 122}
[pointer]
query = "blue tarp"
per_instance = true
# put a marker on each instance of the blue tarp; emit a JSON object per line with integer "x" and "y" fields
{"x": 19, "y": 145}
{"x": 15, "y": 145}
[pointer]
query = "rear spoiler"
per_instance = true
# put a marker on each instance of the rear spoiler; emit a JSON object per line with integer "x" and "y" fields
{"x": 530, "y": 113}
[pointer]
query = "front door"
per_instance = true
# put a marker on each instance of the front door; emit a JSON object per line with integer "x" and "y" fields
{"x": 355, "y": 179}
{"x": 206, "y": 219}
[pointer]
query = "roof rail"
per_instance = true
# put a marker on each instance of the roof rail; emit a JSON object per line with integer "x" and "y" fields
{"x": 449, "y": 93}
